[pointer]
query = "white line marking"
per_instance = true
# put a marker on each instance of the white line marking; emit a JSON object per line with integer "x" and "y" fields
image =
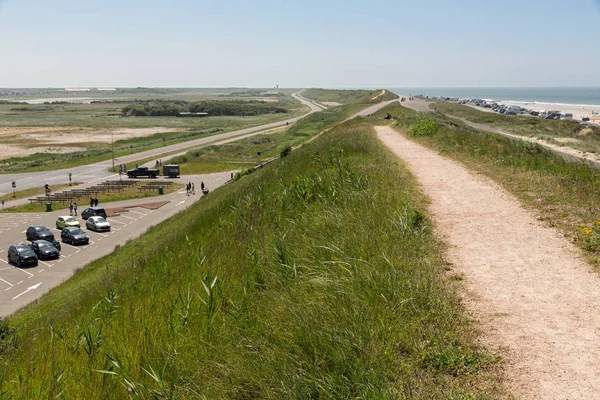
{"x": 45, "y": 263}
{"x": 28, "y": 289}
{"x": 28, "y": 273}
{"x": 136, "y": 212}
{"x": 125, "y": 216}
{"x": 181, "y": 202}
{"x": 4, "y": 261}
{"x": 18, "y": 283}
{"x": 8, "y": 288}
{"x": 41, "y": 270}
{"x": 7, "y": 282}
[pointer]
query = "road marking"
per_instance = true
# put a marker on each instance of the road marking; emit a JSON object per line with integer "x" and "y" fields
{"x": 45, "y": 263}
{"x": 118, "y": 222}
{"x": 18, "y": 283}
{"x": 181, "y": 202}
{"x": 30, "y": 288}
{"x": 135, "y": 212}
{"x": 2, "y": 269}
{"x": 28, "y": 273}
{"x": 41, "y": 270}
{"x": 4, "y": 261}
{"x": 125, "y": 216}
{"x": 8, "y": 288}
{"x": 7, "y": 282}
{"x": 24, "y": 231}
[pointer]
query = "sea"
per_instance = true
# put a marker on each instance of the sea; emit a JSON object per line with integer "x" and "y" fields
{"x": 581, "y": 96}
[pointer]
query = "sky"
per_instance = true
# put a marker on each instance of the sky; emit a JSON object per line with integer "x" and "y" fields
{"x": 334, "y": 44}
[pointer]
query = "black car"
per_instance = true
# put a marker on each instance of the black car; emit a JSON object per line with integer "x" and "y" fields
{"x": 44, "y": 250}
{"x": 22, "y": 255}
{"x": 74, "y": 236}
{"x": 92, "y": 211}
{"x": 39, "y": 232}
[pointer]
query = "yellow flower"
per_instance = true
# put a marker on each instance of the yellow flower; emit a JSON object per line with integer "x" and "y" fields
{"x": 587, "y": 231}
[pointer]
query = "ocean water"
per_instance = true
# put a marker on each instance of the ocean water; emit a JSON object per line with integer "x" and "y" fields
{"x": 589, "y": 96}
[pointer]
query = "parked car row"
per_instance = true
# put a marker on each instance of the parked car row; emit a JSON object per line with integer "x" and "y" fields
{"x": 45, "y": 246}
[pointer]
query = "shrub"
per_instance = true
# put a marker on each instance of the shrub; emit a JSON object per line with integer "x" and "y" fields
{"x": 425, "y": 126}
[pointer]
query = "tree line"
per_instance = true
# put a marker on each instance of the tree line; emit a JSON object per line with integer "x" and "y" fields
{"x": 211, "y": 107}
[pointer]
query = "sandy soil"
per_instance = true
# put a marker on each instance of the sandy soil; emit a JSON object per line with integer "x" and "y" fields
{"x": 331, "y": 103}
{"x": 534, "y": 298}
{"x": 8, "y": 151}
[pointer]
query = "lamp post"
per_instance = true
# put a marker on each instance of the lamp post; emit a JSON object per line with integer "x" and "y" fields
{"x": 112, "y": 137}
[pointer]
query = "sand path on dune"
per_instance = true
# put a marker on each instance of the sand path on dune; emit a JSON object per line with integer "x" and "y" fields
{"x": 535, "y": 300}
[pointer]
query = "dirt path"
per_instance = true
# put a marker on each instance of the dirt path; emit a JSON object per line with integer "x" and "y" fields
{"x": 535, "y": 300}
{"x": 379, "y": 95}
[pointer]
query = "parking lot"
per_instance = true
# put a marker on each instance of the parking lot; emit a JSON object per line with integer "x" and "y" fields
{"x": 19, "y": 286}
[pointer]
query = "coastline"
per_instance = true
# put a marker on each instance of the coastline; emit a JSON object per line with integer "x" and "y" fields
{"x": 578, "y": 111}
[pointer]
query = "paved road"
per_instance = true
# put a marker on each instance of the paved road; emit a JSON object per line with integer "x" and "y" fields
{"x": 99, "y": 171}
{"x": 20, "y": 286}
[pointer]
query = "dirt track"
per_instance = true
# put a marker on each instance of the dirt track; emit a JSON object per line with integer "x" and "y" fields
{"x": 535, "y": 300}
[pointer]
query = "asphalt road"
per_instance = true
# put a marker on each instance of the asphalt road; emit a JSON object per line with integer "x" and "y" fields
{"x": 20, "y": 286}
{"x": 99, "y": 171}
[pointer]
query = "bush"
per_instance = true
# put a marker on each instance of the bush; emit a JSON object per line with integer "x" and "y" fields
{"x": 425, "y": 126}
{"x": 286, "y": 151}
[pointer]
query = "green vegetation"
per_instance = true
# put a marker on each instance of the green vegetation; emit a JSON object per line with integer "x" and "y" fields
{"x": 237, "y": 155}
{"x": 563, "y": 193}
{"x": 348, "y": 96}
{"x": 34, "y": 192}
{"x": 579, "y": 137}
{"x": 128, "y": 193}
{"x": 316, "y": 277}
{"x": 159, "y": 108}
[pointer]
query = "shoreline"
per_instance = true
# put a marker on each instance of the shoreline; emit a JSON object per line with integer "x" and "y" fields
{"x": 578, "y": 111}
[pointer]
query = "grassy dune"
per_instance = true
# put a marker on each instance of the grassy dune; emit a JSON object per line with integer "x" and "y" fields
{"x": 347, "y": 96}
{"x": 315, "y": 277}
{"x": 585, "y": 139}
{"x": 563, "y": 193}
{"x": 243, "y": 153}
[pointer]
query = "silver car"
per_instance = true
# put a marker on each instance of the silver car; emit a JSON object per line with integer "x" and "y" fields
{"x": 97, "y": 224}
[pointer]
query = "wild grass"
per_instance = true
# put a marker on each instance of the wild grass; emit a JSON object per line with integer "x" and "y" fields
{"x": 581, "y": 138}
{"x": 244, "y": 153}
{"x": 562, "y": 193}
{"x": 315, "y": 277}
{"x": 347, "y": 96}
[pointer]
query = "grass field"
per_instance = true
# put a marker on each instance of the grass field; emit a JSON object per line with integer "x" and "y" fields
{"x": 130, "y": 192}
{"x": 315, "y": 277}
{"x": 106, "y": 116}
{"x": 34, "y": 192}
{"x": 243, "y": 154}
{"x": 563, "y": 194}
{"x": 579, "y": 137}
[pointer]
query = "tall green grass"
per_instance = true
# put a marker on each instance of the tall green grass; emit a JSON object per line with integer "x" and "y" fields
{"x": 315, "y": 277}
{"x": 564, "y": 193}
{"x": 347, "y": 96}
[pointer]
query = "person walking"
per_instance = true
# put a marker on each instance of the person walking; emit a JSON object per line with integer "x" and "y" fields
{"x": 70, "y": 208}
{"x": 202, "y": 186}
{"x": 187, "y": 189}
{"x": 96, "y": 202}
{"x": 91, "y": 202}
{"x": 193, "y": 188}
{"x": 75, "y": 208}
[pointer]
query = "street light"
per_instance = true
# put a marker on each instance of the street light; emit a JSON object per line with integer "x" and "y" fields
{"x": 112, "y": 137}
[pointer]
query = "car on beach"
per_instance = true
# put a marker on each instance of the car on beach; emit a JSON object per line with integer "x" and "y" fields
{"x": 91, "y": 211}
{"x": 38, "y": 232}
{"x": 67, "y": 221}
{"x": 74, "y": 236}
{"x": 22, "y": 256}
{"x": 97, "y": 224}
{"x": 44, "y": 250}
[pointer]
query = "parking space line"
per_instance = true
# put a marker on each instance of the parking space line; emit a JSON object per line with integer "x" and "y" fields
{"x": 8, "y": 288}
{"x": 118, "y": 222}
{"x": 136, "y": 212}
{"x": 41, "y": 270}
{"x": 125, "y": 216}
{"x": 7, "y": 282}
{"x": 4, "y": 261}
{"x": 45, "y": 263}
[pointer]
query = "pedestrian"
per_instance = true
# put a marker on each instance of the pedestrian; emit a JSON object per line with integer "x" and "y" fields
{"x": 193, "y": 189}
{"x": 187, "y": 189}
{"x": 91, "y": 202}
{"x": 232, "y": 176}
{"x": 75, "y": 208}
{"x": 202, "y": 186}
{"x": 120, "y": 169}
{"x": 70, "y": 208}
{"x": 96, "y": 202}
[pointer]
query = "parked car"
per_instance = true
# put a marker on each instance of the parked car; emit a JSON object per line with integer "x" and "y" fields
{"x": 44, "y": 250}
{"x": 38, "y": 232}
{"x": 22, "y": 255}
{"x": 74, "y": 236}
{"x": 64, "y": 222}
{"x": 91, "y": 211}
{"x": 98, "y": 224}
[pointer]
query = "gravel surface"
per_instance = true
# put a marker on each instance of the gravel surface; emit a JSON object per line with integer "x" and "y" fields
{"x": 533, "y": 297}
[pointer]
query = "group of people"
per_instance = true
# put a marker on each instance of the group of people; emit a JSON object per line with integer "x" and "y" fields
{"x": 191, "y": 188}
{"x": 158, "y": 163}
{"x": 93, "y": 202}
{"x": 122, "y": 169}
{"x": 73, "y": 209}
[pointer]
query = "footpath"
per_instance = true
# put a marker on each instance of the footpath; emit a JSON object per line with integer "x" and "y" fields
{"x": 533, "y": 297}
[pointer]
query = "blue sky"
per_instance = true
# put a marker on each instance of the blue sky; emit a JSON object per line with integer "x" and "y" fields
{"x": 262, "y": 43}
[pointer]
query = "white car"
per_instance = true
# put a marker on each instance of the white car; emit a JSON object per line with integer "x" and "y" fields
{"x": 97, "y": 224}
